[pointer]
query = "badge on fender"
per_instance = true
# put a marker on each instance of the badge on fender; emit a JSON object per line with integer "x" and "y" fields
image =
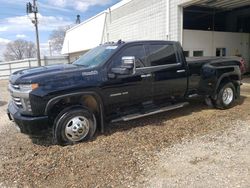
{"x": 90, "y": 73}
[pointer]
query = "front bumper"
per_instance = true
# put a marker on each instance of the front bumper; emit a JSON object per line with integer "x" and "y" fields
{"x": 33, "y": 126}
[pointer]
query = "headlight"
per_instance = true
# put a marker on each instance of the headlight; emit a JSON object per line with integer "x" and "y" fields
{"x": 28, "y": 87}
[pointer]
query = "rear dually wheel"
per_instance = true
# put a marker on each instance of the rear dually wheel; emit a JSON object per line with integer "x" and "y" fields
{"x": 226, "y": 96}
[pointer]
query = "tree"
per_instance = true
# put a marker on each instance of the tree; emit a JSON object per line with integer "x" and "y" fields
{"x": 57, "y": 38}
{"x": 19, "y": 49}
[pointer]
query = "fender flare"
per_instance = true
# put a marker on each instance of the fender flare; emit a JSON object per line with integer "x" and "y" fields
{"x": 225, "y": 75}
{"x": 54, "y": 100}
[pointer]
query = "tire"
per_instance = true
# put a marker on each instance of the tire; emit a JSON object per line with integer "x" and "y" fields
{"x": 74, "y": 125}
{"x": 226, "y": 96}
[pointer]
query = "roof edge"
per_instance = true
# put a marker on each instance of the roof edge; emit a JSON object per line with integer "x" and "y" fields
{"x": 119, "y": 4}
{"x": 115, "y": 6}
{"x": 86, "y": 21}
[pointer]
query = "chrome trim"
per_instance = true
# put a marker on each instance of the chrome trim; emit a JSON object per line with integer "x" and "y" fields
{"x": 146, "y": 75}
{"x": 17, "y": 99}
{"x": 18, "y": 103}
{"x": 20, "y": 99}
{"x": 118, "y": 94}
{"x": 17, "y": 93}
{"x": 15, "y": 86}
{"x": 181, "y": 71}
{"x": 160, "y": 110}
{"x": 160, "y": 66}
{"x": 115, "y": 94}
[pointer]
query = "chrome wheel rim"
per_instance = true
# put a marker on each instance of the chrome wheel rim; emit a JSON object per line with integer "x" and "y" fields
{"x": 227, "y": 96}
{"x": 77, "y": 128}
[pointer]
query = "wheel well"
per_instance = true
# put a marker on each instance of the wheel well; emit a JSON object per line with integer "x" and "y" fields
{"x": 88, "y": 101}
{"x": 224, "y": 81}
{"x": 234, "y": 79}
{"x": 231, "y": 78}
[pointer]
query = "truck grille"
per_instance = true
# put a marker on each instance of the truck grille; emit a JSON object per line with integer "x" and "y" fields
{"x": 20, "y": 99}
{"x": 15, "y": 86}
{"x": 17, "y": 101}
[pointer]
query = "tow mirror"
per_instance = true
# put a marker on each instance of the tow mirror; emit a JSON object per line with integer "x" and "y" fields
{"x": 128, "y": 62}
{"x": 127, "y": 66}
{"x": 120, "y": 71}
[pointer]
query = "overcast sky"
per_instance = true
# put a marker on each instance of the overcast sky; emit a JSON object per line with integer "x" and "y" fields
{"x": 15, "y": 24}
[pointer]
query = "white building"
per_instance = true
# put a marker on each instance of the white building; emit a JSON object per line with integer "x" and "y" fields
{"x": 204, "y": 27}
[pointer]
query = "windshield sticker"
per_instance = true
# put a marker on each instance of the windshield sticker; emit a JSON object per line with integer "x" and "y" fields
{"x": 90, "y": 73}
{"x": 111, "y": 47}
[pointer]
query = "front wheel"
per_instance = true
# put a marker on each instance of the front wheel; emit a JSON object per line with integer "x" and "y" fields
{"x": 74, "y": 125}
{"x": 226, "y": 96}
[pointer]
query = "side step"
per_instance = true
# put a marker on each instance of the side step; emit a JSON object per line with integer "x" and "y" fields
{"x": 150, "y": 112}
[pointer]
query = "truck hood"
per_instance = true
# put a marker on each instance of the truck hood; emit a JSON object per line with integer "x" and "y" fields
{"x": 40, "y": 73}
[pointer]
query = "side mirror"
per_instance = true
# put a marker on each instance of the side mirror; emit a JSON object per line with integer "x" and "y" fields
{"x": 120, "y": 71}
{"x": 127, "y": 66}
{"x": 128, "y": 62}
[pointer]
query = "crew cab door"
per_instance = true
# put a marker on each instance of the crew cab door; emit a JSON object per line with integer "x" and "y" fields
{"x": 169, "y": 77}
{"x": 126, "y": 90}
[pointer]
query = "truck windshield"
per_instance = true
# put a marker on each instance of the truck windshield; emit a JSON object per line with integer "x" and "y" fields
{"x": 95, "y": 56}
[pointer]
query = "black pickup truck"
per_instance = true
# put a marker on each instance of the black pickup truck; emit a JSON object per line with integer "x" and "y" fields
{"x": 116, "y": 82}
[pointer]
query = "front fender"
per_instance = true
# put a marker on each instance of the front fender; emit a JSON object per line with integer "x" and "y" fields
{"x": 54, "y": 100}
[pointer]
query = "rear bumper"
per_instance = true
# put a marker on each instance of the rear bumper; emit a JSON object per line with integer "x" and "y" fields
{"x": 34, "y": 126}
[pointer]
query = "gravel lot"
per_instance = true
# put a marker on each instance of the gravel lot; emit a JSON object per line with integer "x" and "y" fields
{"x": 191, "y": 147}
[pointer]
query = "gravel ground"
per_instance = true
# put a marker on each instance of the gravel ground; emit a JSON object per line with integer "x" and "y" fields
{"x": 191, "y": 147}
{"x": 220, "y": 159}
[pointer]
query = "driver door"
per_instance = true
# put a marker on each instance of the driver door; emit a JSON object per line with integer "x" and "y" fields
{"x": 131, "y": 89}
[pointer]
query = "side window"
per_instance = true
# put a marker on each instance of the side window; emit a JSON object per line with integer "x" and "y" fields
{"x": 220, "y": 52}
{"x": 198, "y": 53}
{"x": 186, "y": 53}
{"x": 137, "y": 51}
{"x": 162, "y": 54}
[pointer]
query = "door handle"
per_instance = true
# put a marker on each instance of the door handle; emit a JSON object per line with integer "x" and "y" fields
{"x": 181, "y": 71}
{"x": 146, "y": 75}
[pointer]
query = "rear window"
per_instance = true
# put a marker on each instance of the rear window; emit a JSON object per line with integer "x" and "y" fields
{"x": 162, "y": 54}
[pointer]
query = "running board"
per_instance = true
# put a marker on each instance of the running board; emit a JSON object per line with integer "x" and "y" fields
{"x": 156, "y": 111}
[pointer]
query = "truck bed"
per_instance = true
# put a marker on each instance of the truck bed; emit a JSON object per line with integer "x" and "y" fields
{"x": 195, "y": 65}
{"x": 208, "y": 59}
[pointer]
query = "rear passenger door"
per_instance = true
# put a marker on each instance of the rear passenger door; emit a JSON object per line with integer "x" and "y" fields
{"x": 168, "y": 72}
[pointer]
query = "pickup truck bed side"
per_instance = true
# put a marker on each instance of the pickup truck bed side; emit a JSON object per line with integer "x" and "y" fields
{"x": 206, "y": 77}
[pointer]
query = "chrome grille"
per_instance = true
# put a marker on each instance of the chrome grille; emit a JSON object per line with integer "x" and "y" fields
{"x": 17, "y": 101}
{"x": 20, "y": 99}
{"x": 15, "y": 86}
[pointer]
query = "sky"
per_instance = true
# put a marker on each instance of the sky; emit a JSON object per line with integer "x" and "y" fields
{"x": 16, "y": 24}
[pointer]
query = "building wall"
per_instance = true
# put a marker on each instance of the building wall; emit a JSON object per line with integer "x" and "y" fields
{"x": 137, "y": 20}
{"x": 84, "y": 36}
{"x": 208, "y": 41}
{"x": 176, "y": 18}
{"x": 232, "y": 17}
{"x": 160, "y": 20}
{"x": 128, "y": 20}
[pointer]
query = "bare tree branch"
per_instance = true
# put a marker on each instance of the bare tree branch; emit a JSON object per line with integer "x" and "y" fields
{"x": 19, "y": 49}
{"x": 57, "y": 38}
